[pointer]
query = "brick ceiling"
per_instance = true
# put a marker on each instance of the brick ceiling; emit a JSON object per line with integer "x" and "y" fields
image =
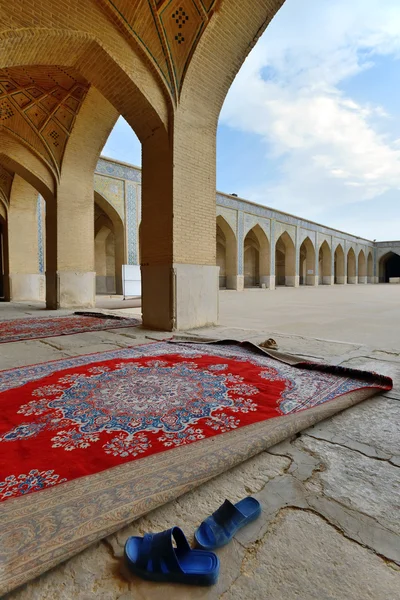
{"x": 167, "y": 30}
{"x": 39, "y": 105}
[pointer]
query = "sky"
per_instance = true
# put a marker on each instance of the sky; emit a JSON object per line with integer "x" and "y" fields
{"x": 311, "y": 124}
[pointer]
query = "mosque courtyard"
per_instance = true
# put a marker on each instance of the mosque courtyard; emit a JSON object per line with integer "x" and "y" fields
{"x": 330, "y": 495}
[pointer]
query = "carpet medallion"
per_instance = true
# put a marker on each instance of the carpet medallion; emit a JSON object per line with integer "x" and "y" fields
{"x": 76, "y": 417}
{"x": 34, "y": 328}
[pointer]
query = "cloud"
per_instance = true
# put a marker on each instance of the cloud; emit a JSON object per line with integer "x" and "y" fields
{"x": 328, "y": 148}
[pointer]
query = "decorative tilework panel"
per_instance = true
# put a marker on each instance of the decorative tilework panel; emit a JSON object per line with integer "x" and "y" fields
{"x": 113, "y": 192}
{"x": 240, "y": 242}
{"x": 270, "y": 213}
{"x": 106, "y": 167}
{"x": 251, "y": 220}
{"x": 272, "y": 248}
{"x": 131, "y": 223}
{"x": 281, "y": 227}
{"x": 230, "y": 217}
{"x": 40, "y": 208}
{"x": 307, "y": 233}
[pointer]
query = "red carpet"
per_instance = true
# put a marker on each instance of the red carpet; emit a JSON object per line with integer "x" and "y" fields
{"x": 34, "y": 328}
{"x": 69, "y": 418}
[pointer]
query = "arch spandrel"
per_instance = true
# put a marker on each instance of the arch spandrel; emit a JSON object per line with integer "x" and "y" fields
{"x": 283, "y": 228}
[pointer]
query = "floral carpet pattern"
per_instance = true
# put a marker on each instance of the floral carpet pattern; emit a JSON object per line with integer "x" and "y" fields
{"x": 34, "y": 328}
{"x": 75, "y": 417}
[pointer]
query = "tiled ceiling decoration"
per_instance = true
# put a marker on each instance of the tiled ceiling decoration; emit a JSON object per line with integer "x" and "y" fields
{"x": 168, "y": 31}
{"x": 39, "y": 105}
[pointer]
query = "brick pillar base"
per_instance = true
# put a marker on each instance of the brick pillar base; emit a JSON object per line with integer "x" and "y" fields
{"x": 312, "y": 280}
{"x": 268, "y": 280}
{"x": 27, "y": 286}
{"x": 328, "y": 280}
{"x": 179, "y": 296}
{"x": 235, "y": 282}
{"x": 292, "y": 280}
{"x": 68, "y": 289}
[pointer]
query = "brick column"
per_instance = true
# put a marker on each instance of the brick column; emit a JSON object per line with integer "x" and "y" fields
{"x": 272, "y": 252}
{"x": 25, "y": 280}
{"x": 294, "y": 280}
{"x": 70, "y": 274}
{"x": 178, "y": 262}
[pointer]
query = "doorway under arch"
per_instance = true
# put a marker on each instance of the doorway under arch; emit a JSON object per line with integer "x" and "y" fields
{"x": 351, "y": 267}
{"x": 362, "y": 267}
{"x": 325, "y": 264}
{"x": 307, "y": 263}
{"x": 389, "y": 267}
{"x": 285, "y": 261}
{"x": 339, "y": 265}
{"x": 370, "y": 268}
{"x": 109, "y": 246}
{"x": 226, "y": 252}
{"x": 256, "y": 258}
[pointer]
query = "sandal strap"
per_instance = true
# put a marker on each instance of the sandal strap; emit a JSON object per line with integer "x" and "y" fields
{"x": 228, "y": 512}
{"x": 158, "y": 548}
{"x": 227, "y": 517}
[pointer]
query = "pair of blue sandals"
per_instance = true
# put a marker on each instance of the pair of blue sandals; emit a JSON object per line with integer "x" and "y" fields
{"x": 155, "y": 557}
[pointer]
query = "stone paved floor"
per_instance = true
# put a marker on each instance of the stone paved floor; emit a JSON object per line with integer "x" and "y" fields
{"x": 331, "y": 495}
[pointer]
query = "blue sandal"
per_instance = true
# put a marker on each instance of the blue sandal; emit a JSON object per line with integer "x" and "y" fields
{"x": 218, "y": 529}
{"x": 153, "y": 557}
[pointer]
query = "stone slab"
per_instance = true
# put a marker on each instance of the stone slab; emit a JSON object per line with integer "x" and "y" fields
{"x": 371, "y": 428}
{"x": 369, "y": 486}
{"x": 18, "y": 354}
{"x": 304, "y": 558}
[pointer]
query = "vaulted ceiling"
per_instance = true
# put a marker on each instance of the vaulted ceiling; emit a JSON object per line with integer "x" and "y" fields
{"x": 39, "y": 105}
{"x": 167, "y": 30}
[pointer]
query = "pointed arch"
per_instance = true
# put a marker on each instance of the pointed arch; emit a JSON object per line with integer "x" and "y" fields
{"x": 351, "y": 266}
{"x": 339, "y": 265}
{"x": 116, "y": 227}
{"x": 370, "y": 268}
{"x": 226, "y": 253}
{"x": 256, "y": 254}
{"x": 389, "y": 267}
{"x": 285, "y": 260}
{"x": 362, "y": 267}
{"x": 325, "y": 264}
{"x": 307, "y": 262}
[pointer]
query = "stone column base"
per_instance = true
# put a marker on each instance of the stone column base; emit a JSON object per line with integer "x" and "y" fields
{"x": 70, "y": 289}
{"x": 362, "y": 279}
{"x": 179, "y": 296}
{"x": 373, "y": 279}
{"x": 268, "y": 281}
{"x": 235, "y": 282}
{"x": 312, "y": 280}
{"x": 292, "y": 280}
{"x": 328, "y": 280}
{"x": 27, "y": 286}
{"x": 341, "y": 280}
{"x": 352, "y": 280}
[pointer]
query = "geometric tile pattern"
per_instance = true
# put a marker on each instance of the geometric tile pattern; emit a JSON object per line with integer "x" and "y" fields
{"x": 115, "y": 169}
{"x": 40, "y": 209}
{"x": 132, "y": 233}
{"x": 167, "y": 30}
{"x": 113, "y": 191}
{"x": 39, "y": 105}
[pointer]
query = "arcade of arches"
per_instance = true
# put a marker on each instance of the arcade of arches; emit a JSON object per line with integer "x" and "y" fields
{"x": 65, "y": 77}
{"x": 246, "y": 254}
